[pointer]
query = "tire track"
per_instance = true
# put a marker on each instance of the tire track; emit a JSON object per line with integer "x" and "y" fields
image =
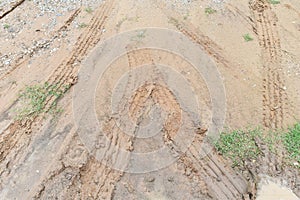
{"x": 221, "y": 182}
{"x": 157, "y": 92}
{"x": 18, "y": 134}
{"x": 103, "y": 177}
{"x": 57, "y": 34}
{"x": 212, "y": 176}
{"x": 206, "y": 173}
{"x": 66, "y": 72}
{"x": 89, "y": 179}
{"x": 274, "y": 94}
{"x": 12, "y": 8}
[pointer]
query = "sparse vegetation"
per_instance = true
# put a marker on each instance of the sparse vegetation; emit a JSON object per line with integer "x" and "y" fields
{"x": 247, "y": 37}
{"x": 173, "y": 21}
{"x": 185, "y": 17}
{"x": 34, "y": 99}
{"x": 140, "y": 35}
{"x": 89, "y": 10}
{"x": 133, "y": 19}
{"x": 210, "y": 10}
{"x": 239, "y": 145}
{"x": 82, "y": 25}
{"x": 274, "y": 1}
{"x": 121, "y": 22}
{"x": 6, "y": 26}
{"x": 273, "y": 140}
{"x": 291, "y": 141}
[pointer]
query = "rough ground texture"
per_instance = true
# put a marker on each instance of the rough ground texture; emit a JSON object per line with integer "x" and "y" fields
{"x": 43, "y": 157}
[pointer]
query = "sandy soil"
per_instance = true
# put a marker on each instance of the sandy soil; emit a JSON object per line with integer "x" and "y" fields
{"x": 46, "y": 157}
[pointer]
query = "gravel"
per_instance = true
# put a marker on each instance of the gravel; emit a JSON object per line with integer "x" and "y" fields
{"x": 26, "y": 17}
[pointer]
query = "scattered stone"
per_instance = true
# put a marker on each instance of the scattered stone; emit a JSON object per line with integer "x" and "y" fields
{"x": 171, "y": 179}
{"x": 149, "y": 179}
{"x": 7, "y": 62}
{"x": 188, "y": 171}
{"x": 201, "y": 130}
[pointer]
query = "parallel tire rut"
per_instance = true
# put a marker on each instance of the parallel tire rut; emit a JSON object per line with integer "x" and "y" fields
{"x": 274, "y": 94}
{"x": 70, "y": 169}
{"x": 57, "y": 34}
{"x": 64, "y": 76}
{"x": 215, "y": 179}
{"x": 12, "y": 8}
{"x": 232, "y": 186}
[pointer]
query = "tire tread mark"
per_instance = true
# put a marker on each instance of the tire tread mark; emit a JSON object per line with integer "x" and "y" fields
{"x": 21, "y": 59}
{"x": 210, "y": 170}
{"x": 228, "y": 189}
{"x": 274, "y": 96}
{"x": 64, "y": 74}
{"x": 12, "y": 8}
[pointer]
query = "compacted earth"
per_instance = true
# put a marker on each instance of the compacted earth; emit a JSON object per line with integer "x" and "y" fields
{"x": 125, "y": 99}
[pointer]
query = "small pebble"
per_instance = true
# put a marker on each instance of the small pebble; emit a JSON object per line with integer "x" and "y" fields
{"x": 150, "y": 179}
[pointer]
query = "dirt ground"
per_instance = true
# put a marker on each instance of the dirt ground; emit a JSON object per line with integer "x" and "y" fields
{"x": 46, "y": 157}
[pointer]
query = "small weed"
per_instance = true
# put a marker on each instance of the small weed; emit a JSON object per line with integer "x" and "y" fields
{"x": 82, "y": 25}
{"x": 210, "y": 10}
{"x": 185, "y": 17}
{"x": 136, "y": 18}
{"x": 247, "y": 37}
{"x": 121, "y": 22}
{"x": 274, "y": 1}
{"x": 6, "y": 26}
{"x": 34, "y": 99}
{"x": 132, "y": 19}
{"x": 55, "y": 111}
{"x": 239, "y": 145}
{"x": 140, "y": 35}
{"x": 173, "y": 21}
{"x": 89, "y": 10}
{"x": 291, "y": 141}
{"x": 273, "y": 141}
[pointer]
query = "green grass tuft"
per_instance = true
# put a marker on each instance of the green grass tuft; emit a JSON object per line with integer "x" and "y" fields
{"x": 34, "y": 99}
{"x": 209, "y": 11}
{"x": 6, "y": 26}
{"x": 239, "y": 145}
{"x": 274, "y": 1}
{"x": 89, "y": 10}
{"x": 247, "y": 37}
{"x": 291, "y": 141}
{"x": 82, "y": 25}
